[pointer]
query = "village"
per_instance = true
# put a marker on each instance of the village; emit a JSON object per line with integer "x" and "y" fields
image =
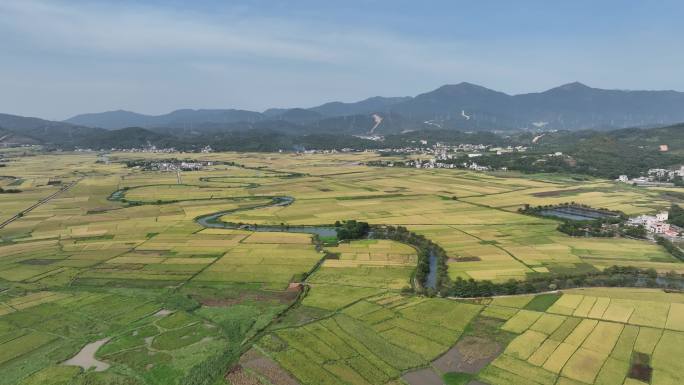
{"x": 656, "y": 177}
{"x": 657, "y": 225}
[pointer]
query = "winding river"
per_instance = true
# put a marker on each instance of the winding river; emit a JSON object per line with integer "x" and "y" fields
{"x": 214, "y": 221}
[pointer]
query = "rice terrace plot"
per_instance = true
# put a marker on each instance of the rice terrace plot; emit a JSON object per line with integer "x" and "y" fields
{"x": 114, "y": 280}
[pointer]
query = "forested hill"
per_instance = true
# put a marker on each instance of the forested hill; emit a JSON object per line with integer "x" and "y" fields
{"x": 603, "y": 154}
{"x": 653, "y": 138}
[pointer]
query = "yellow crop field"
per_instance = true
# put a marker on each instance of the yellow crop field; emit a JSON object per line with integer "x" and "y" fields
{"x": 521, "y": 321}
{"x": 603, "y": 337}
{"x": 556, "y": 361}
{"x": 584, "y": 365}
{"x": 285, "y": 238}
{"x": 590, "y": 351}
{"x": 526, "y": 344}
{"x": 675, "y": 318}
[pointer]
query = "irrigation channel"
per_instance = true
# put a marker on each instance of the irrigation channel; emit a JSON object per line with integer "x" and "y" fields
{"x": 214, "y": 221}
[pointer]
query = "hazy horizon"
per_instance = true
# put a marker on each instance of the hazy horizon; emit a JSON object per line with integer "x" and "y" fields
{"x": 66, "y": 58}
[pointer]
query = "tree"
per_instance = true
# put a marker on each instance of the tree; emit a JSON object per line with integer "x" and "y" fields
{"x": 351, "y": 229}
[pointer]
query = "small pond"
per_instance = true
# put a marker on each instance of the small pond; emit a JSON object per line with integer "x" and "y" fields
{"x": 576, "y": 213}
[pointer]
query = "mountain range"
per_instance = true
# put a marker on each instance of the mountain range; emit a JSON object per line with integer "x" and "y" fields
{"x": 450, "y": 109}
{"x": 463, "y": 106}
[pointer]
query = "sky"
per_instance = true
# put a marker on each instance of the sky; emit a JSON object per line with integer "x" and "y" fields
{"x": 62, "y": 58}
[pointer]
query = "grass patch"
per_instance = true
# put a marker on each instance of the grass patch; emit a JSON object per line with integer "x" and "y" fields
{"x": 455, "y": 378}
{"x": 542, "y": 302}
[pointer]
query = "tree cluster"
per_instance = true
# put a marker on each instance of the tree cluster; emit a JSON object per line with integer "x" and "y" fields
{"x": 586, "y": 229}
{"x": 676, "y": 215}
{"x": 425, "y": 248}
{"x": 615, "y": 276}
{"x": 9, "y": 190}
{"x": 351, "y": 229}
{"x": 671, "y": 247}
{"x": 634, "y": 231}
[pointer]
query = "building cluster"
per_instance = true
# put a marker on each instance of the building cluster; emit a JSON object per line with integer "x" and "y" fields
{"x": 441, "y": 155}
{"x": 431, "y": 163}
{"x": 171, "y": 165}
{"x": 655, "y": 177}
{"x": 330, "y": 151}
{"x": 441, "y": 151}
{"x": 434, "y": 163}
{"x": 145, "y": 149}
{"x": 446, "y": 156}
{"x": 657, "y": 225}
{"x": 182, "y": 166}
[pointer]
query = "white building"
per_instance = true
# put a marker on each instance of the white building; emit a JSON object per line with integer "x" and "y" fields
{"x": 658, "y": 227}
{"x": 653, "y": 223}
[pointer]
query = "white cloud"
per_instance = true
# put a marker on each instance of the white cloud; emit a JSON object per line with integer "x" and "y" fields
{"x": 108, "y": 29}
{"x": 72, "y": 28}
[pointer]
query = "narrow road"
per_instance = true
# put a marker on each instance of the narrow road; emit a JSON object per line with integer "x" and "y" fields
{"x": 40, "y": 202}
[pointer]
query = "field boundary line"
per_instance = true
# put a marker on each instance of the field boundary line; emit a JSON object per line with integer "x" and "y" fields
{"x": 496, "y": 193}
{"x": 495, "y": 245}
{"x": 20, "y": 214}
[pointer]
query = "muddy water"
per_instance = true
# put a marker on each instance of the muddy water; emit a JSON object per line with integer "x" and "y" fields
{"x": 86, "y": 357}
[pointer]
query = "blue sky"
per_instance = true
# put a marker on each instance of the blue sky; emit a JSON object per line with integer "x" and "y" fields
{"x": 60, "y": 58}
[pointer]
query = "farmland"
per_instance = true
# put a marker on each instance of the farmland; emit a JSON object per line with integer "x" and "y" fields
{"x": 118, "y": 257}
{"x": 589, "y": 336}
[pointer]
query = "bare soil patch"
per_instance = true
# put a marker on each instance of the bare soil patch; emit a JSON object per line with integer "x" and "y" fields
{"x": 470, "y": 355}
{"x": 267, "y": 368}
{"x": 555, "y": 193}
{"x": 465, "y": 259}
{"x": 238, "y": 376}
{"x": 425, "y": 376}
{"x": 294, "y": 286}
{"x": 163, "y": 313}
{"x": 641, "y": 367}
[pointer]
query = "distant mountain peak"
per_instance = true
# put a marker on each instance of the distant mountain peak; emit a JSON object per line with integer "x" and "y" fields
{"x": 468, "y": 84}
{"x": 572, "y": 87}
{"x": 462, "y": 85}
{"x": 462, "y": 88}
